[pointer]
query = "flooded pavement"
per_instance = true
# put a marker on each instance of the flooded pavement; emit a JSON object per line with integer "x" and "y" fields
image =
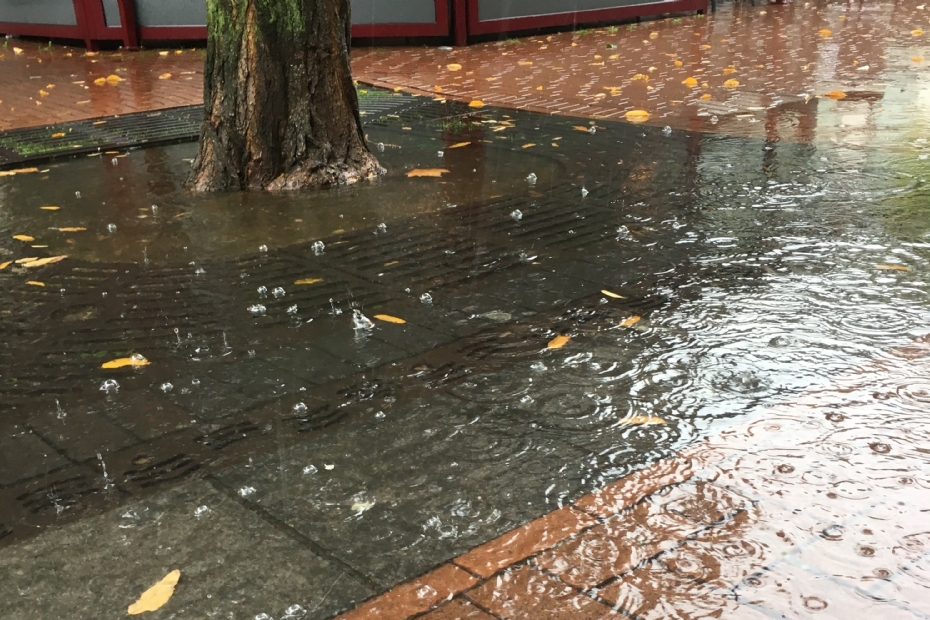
{"x": 590, "y": 369}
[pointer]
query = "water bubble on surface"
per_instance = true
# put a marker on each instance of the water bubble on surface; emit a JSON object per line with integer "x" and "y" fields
{"x": 381, "y": 147}
{"x": 294, "y": 612}
{"x": 154, "y": 209}
{"x": 380, "y": 415}
{"x": 111, "y": 228}
{"x": 667, "y": 131}
{"x": 110, "y": 386}
{"x": 246, "y": 491}
{"x": 292, "y": 309}
{"x": 310, "y": 469}
{"x": 278, "y": 292}
{"x": 623, "y": 232}
{"x": 258, "y": 309}
{"x": 202, "y": 511}
{"x": 584, "y": 192}
{"x": 195, "y": 381}
{"x": 318, "y": 247}
{"x": 200, "y": 271}
{"x": 360, "y": 321}
{"x": 114, "y": 161}
{"x": 263, "y": 617}
{"x": 300, "y": 408}
{"x": 60, "y": 413}
{"x": 714, "y": 119}
{"x": 440, "y": 153}
{"x": 382, "y": 227}
{"x": 531, "y": 179}
{"x": 262, "y": 291}
{"x": 593, "y": 130}
{"x": 517, "y": 215}
{"x": 263, "y": 249}
{"x": 166, "y": 387}
{"x": 335, "y": 311}
{"x": 77, "y": 194}
{"x": 426, "y": 298}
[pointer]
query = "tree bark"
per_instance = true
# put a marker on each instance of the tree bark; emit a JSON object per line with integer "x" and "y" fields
{"x": 281, "y": 106}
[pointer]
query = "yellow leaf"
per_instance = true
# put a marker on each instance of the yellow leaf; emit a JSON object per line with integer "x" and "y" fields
{"x": 529, "y": 146}
{"x": 50, "y": 208}
{"x": 633, "y": 320}
{"x": 17, "y": 51}
{"x": 836, "y": 94}
{"x": 643, "y": 419}
{"x": 731, "y": 83}
{"x": 164, "y": 53}
{"x": 39, "y": 262}
{"x": 136, "y": 362}
{"x": 558, "y": 342}
{"x": 35, "y": 283}
{"x": 611, "y": 294}
{"x": 458, "y": 145}
{"x": 582, "y": 128}
{"x": 24, "y": 238}
{"x": 705, "y": 96}
{"x": 43, "y": 93}
{"x": 454, "y": 67}
{"x": 391, "y": 263}
{"x": 690, "y": 82}
{"x": 164, "y": 76}
{"x": 114, "y": 79}
{"x": 23, "y": 261}
{"x": 427, "y": 172}
{"x": 640, "y": 77}
{"x": 477, "y": 103}
{"x": 100, "y": 81}
{"x": 525, "y": 63}
{"x": 637, "y": 116}
{"x": 653, "y": 35}
{"x": 10, "y": 173}
{"x": 155, "y": 597}
{"x": 72, "y": 229}
{"x": 824, "y": 32}
{"x": 678, "y": 63}
{"x": 387, "y": 318}
{"x": 729, "y": 70}
{"x": 5, "y": 265}
{"x": 918, "y": 58}
{"x": 705, "y": 47}
{"x": 893, "y": 267}
{"x": 917, "y": 32}
{"x": 60, "y": 134}
{"x": 308, "y": 281}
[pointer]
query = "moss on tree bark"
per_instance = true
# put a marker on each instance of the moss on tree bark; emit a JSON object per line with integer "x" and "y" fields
{"x": 281, "y": 107}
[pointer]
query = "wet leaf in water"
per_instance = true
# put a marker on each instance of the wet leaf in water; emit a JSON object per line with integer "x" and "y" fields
{"x": 387, "y": 318}
{"x": 729, "y": 70}
{"x": 678, "y": 63}
{"x": 582, "y": 128}
{"x": 35, "y": 283}
{"x": 643, "y": 419}
{"x": 308, "y": 281}
{"x": 5, "y": 265}
{"x": 137, "y": 361}
{"x": 360, "y": 507}
{"x": 164, "y": 76}
{"x": 633, "y": 320}
{"x": 114, "y": 79}
{"x": 917, "y": 32}
{"x": 918, "y": 58}
{"x": 690, "y": 82}
{"x": 637, "y": 116}
{"x": 427, "y": 172}
{"x": 17, "y": 50}
{"x": 163, "y": 53}
{"x": 10, "y": 173}
{"x": 640, "y": 77}
{"x": 529, "y": 146}
{"x": 155, "y": 597}
{"x": 458, "y": 145}
{"x": 835, "y": 95}
{"x": 39, "y": 262}
{"x": 100, "y": 81}
{"x": 893, "y": 267}
{"x": 558, "y": 342}
{"x": 24, "y": 238}
{"x": 22, "y": 261}
{"x": 454, "y": 66}
{"x": 50, "y": 208}
{"x": 824, "y": 32}
{"x": 731, "y": 83}
{"x": 72, "y": 229}
{"x": 705, "y": 96}
{"x": 611, "y": 294}
{"x": 477, "y": 103}
{"x": 60, "y": 134}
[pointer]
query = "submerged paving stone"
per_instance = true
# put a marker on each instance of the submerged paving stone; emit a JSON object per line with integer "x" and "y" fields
{"x": 232, "y": 563}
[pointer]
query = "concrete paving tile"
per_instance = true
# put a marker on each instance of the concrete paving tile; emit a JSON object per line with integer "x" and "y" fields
{"x": 458, "y": 609}
{"x": 528, "y": 594}
{"x": 618, "y": 545}
{"x": 79, "y": 433}
{"x": 415, "y": 597}
{"x": 519, "y": 544}
{"x": 24, "y": 455}
{"x": 705, "y": 502}
{"x": 232, "y": 563}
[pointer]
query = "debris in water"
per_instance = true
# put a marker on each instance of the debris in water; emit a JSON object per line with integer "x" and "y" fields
{"x": 166, "y": 387}
{"x": 558, "y": 342}
{"x": 667, "y": 131}
{"x": 516, "y": 214}
{"x": 155, "y": 597}
{"x": 584, "y": 192}
{"x": 202, "y": 511}
{"x": 531, "y": 178}
{"x": 246, "y": 491}
{"x": 318, "y": 247}
{"x": 258, "y": 309}
{"x": 387, "y": 318}
{"x": 263, "y": 248}
{"x": 278, "y": 292}
{"x": 360, "y": 321}
{"x": 300, "y": 408}
{"x": 136, "y": 361}
{"x": 111, "y": 228}
{"x": 426, "y": 298}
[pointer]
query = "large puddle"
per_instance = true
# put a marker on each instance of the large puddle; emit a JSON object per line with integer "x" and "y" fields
{"x": 740, "y": 275}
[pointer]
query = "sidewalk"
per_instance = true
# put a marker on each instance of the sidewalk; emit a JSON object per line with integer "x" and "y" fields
{"x": 743, "y": 63}
{"x": 816, "y": 510}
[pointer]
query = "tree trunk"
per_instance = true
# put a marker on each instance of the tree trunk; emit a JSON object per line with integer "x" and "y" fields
{"x": 281, "y": 107}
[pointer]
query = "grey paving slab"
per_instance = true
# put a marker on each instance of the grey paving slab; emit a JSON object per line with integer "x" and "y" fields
{"x": 79, "y": 432}
{"x": 394, "y": 497}
{"x": 24, "y": 455}
{"x": 233, "y": 564}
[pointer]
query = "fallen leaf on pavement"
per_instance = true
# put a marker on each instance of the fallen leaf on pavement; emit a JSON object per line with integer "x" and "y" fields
{"x": 477, "y": 103}
{"x": 690, "y": 82}
{"x": 114, "y": 79}
{"x": 611, "y": 294}
{"x": 72, "y": 229}
{"x": 39, "y": 262}
{"x": 633, "y": 320}
{"x": 136, "y": 362}
{"x": 50, "y": 208}
{"x": 893, "y": 267}
{"x": 643, "y": 419}
{"x": 824, "y": 32}
{"x": 558, "y": 342}
{"x": 24, "y": 238}
{"x": 5, "y": 265}
{"x": 731, "y": 83}
{"x": 155, "y": 597}
{"x": 637, "y": 116}
{"x": 10, "y": 173}
{"x": 100, "y": 81}
{"x": 387, "y": 318}
{"x": 35, "y": 283}
{"x": 164, "y": 76}
{"x": 60, "y": 134}
{"x": 427, "y": 172}
{"x": 17, "y": 51}
{"x": 454, "y": 67}
{"x": 836, "y": 95}
{"x": 917, "y": 32}
{"x": 458, "y": 145}
{"x": 309, "y": 281}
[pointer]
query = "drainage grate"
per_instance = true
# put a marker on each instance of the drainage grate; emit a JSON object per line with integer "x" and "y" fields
{"x": 32, "y": 145}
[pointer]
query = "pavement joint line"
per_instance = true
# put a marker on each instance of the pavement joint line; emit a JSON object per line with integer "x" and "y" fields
{"x": 280, "y": 525}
